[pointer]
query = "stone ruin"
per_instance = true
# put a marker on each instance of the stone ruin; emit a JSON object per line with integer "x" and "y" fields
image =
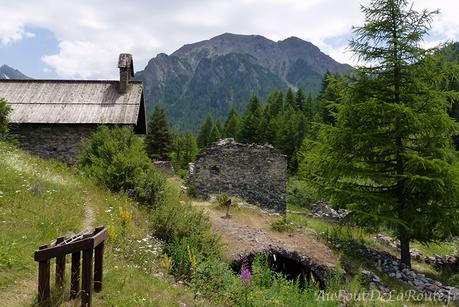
{"x": 165, "y": 167}
{"x": 253, "y": 172}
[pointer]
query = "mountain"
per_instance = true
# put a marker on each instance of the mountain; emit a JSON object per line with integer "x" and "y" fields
{"x": 7, "y": 72}
{"x": 212, "y": 75}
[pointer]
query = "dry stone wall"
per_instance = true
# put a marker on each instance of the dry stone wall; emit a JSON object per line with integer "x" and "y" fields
{"x": 254, "y": 172}
{"x": 50, "y": 141}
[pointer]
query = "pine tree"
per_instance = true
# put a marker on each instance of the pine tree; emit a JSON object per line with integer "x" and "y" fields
{"x": 290, "y": 99}
{"x": 389, "y": 156}
{"x": 214, "y": 135}
{"x": 232, "y": 124}
{"x": 159, "y": 138}
{"x": 185, "y": 151}
{"x": 300, "y": 101}
{"x": 250, "y": 127}
{"x": 204, "y": 132}
{"x": 290, "y": 135}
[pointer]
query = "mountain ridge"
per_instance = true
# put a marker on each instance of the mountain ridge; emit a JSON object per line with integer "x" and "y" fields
{"x": 7, "y": 72}
{"x": 212, "y": 75}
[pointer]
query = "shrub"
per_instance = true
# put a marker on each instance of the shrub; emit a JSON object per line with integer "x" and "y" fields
{"x": 185, "y": 256}
{"x": 173, "y": 221}
{"x": 216, "y": 281}
{"x": 115, "y": 157}
{"x": 5, "y": 109}
{"x": 282, "y": 224}
{"x": 150, "y": 188}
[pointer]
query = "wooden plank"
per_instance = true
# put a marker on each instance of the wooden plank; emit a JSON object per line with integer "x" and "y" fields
{"x": 86, "y": 278}
{"x": 43, "y": 281}
{"x": 70, "y": 248}
{"x": 75, "y": 275}
{"x": 60, "y": 269}
{"x": 98, "y": 267}
{"x": 100, "y": 237}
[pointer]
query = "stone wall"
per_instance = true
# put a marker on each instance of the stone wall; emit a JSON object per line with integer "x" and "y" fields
{"x": 165, "y": 167}
{"x": 253, "y": 172}
{"x": 62, "y": 142}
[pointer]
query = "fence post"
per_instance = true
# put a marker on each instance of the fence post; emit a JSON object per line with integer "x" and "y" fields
{"x": 86, "y": 283}
{"x": 43, "y": 280}
{"x": 98, "y": 267}
{"x": 75, "y": 275}
{"x": 60, "y": 269}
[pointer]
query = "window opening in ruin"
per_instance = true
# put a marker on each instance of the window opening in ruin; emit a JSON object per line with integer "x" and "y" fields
{"x": 215, "y": 170}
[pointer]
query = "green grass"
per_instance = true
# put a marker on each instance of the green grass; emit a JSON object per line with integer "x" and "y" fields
{"x": 41, "y": 200}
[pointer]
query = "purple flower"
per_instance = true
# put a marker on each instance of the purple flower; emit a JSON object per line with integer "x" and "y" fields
{"x": 246, "y": 274}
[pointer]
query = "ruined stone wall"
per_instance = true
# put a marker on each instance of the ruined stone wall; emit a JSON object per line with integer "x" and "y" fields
{"x": 253, "y": 172}
{"x": 62, "y": 142}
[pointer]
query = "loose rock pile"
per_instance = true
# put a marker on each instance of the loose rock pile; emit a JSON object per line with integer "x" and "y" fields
{"x": 394, "y": 268}
{"x": 374, "y": 281}
{"x": 440, "y": 261}
{"x": 322, "y": 210}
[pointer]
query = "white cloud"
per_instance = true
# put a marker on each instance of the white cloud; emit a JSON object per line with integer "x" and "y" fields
{"x": 92, "y": 33}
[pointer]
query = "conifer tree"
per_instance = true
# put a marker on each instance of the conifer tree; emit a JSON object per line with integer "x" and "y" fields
{"x": 389, "y": 156}
{"x": 205, "y": 131}
{"x": 214, "y": 135}
{"x": 327, "y": 100}
{"x": 300, "y": 101}
{"x": 276, "y": 103}
{"x": 250, "y": 127}
{"x": 232, "y": 124}
{"x": 290, "y": 99}
{"x": 159, "y": 138}
{"x": 185, "y": 151}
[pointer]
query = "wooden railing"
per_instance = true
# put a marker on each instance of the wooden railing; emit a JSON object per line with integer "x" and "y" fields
{"x": 91, "y": 244}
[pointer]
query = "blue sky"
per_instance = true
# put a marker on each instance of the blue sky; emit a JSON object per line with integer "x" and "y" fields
{"x": 25, "y": 54}
{"x": 82, "y": 38}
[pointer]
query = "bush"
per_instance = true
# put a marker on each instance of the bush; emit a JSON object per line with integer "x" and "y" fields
{"x": 5, "y": 109}
{"x": 116, "y": 157}
{"x": 216, "y": 281}
{"x": 282, "y": 224}
{"x": 185, "y": 256}
{"x": 150, "y": 188}
{"x": 174, "y": 221}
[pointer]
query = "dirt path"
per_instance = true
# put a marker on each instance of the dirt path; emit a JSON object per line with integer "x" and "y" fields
{"x": 89, "y": 214}
{"x": 249, "y": 231}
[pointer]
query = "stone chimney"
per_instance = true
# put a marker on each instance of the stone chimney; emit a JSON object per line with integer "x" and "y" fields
{"x": 126, "y": 66}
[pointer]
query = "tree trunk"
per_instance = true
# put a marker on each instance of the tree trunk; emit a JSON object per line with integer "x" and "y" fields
{"x": 405, "y": 256}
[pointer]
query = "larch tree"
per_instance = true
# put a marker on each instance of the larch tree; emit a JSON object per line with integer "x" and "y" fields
{"x": 250, "y": 126}
{"x": 205, "y": 131}
{"x": 389, "y": 156}
{"x": 159, "y": 140}
{"x": 232, "y": 124}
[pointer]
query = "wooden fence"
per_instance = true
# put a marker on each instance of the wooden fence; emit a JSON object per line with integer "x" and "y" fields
{"x": 91, "y": 245}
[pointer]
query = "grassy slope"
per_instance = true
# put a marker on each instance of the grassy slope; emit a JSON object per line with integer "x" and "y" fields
{"x": 41, "y": 200}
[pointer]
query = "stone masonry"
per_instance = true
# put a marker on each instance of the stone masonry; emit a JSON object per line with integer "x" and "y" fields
{"x": 254, "y": 172}
{"x": 60, "y": 142}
